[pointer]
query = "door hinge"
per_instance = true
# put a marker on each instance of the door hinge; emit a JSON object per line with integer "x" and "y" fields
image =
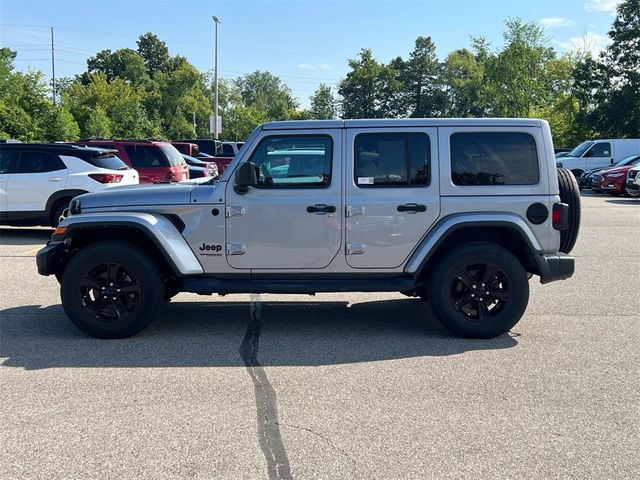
{"x": 355, "y": 248}
{"x": 231, "y": 211}
{"x": 352, "y": 210}
{"x": 236, "y": 249}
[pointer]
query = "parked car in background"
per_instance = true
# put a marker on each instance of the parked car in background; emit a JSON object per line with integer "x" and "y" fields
{"x": 561, "y": 154}
{"x": 37, "y": 181}
{"x": 210, "y": 167}
{"x": 213, "y": 148}
{"x": 585, "y": 179}
{"x": 612, "y": 180}
{"x": 632, "y": 185}
{"x": 155, "y": 161}
{"x": 187, "y": 148}
{"x": 598, "y": 153}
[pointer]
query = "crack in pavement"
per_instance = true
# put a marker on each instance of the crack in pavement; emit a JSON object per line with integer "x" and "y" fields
{"x": 266, "y": 403}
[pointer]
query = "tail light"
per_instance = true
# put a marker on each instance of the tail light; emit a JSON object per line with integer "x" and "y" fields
{"x": 170, "y": 176}
{"x": 560, "y": 216}
{"x": 106, "y": 177}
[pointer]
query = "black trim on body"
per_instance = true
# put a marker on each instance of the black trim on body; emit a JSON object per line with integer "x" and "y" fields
{"x": 558, "y": 266}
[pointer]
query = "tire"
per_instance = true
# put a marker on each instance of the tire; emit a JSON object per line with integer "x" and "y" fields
{"x": 569, "y": 194}
{"x": 105, "y": 271}
{"x": 57, "y": 212}
{"x": 631, "y": 193}
{"x": 465, "y": 273}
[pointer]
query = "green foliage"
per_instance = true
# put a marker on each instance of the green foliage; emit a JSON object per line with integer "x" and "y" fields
{"x": 60, "y": 125}
{"x": 361, "y": 89}
{"x": 323, "y": 104}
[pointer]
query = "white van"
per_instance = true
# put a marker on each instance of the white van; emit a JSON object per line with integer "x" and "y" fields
{"x": 598, "y": 153}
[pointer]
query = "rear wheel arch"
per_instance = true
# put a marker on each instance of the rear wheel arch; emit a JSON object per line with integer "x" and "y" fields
{"x": 503, "y": 234}
{"x": 58, "y": 198}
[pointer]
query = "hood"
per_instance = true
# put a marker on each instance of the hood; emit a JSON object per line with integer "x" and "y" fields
{"x": 624, "y": 169}
{"x": 150, "y": 194}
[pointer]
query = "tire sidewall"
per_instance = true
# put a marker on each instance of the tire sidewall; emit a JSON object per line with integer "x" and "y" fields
{"x": 142, "y": 267}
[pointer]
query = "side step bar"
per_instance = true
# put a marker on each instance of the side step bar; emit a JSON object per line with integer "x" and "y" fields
{"x": 208, "y": 286}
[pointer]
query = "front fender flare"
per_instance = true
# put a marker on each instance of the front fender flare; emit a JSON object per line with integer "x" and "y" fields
{"x": 156, "y": 227}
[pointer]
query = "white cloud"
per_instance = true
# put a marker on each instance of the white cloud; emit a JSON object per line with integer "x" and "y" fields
{"x": 589, "y": 42}
{"x": 601, "y": 5}
{"x": 550, "y": 22}
{"x": 308, "y": 66}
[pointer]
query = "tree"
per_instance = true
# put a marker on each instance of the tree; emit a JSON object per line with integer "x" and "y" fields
{"x": 60, "y": 125}
{"x": 423, "y": 81}
{"x": 323, "y": 103}
{"x": 620, "y": 103}
{"x": 154, "y": 52}
{"x": 360, "y": 90}
{"x": 267, "y": 93}
{"x": 517, "y": 77}
{"x": 123, "y": 63}
{"x": 464, "y": 74}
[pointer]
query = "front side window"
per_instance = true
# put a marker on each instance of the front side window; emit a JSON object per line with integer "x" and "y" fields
{"x": 493, "y": 158}
{"x": 294, "y": 161}
{"x": 391, "y": 159}
{"x": 228, "y": 150}
{"x": 39, "y": 162}
{"x": 600, "y": 150}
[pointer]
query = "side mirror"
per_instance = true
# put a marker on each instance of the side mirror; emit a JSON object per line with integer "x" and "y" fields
{"x": 246, "y": 177}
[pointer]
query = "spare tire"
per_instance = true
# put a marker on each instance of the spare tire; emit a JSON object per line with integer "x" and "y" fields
{"x": 569, "y": 194}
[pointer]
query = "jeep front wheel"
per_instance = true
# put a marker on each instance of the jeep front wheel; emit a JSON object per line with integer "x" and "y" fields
{"x": 111, "y": 290}
{"x": 479, "y": 290}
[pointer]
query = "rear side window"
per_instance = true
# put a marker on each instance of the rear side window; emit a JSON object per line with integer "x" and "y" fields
{"x": 391, "y": 159}
{"x": 111, "y": 162}
{"x": 8, "y": 160}
{"x": 493, "y": 158}
{"x": 145, "y": 156}
{"x": 39, "y": 162}
{"x": 173, "y": 155}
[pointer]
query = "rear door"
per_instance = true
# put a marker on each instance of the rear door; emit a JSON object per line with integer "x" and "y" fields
{"x": 39, "y": 175}
{"x": 292, "y": 220}
{"x": 392, "y": 193}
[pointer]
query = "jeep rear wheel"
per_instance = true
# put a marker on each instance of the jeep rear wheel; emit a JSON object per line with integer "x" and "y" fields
{"x": 479, "y": 290}
{"x": 111, "y": 290}
{"x": 569, "y": 194}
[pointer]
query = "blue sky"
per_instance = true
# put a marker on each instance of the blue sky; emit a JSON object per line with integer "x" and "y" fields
{"x": 303, "y": 42}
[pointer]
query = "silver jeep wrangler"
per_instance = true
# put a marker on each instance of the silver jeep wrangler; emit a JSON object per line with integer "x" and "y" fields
{"x": 460, "y": 211}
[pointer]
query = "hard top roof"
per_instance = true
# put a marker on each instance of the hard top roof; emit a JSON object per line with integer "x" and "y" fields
{"x": 404, "y": 122}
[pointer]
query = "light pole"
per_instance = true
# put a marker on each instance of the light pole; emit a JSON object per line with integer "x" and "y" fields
{"x": 216, "y": 21}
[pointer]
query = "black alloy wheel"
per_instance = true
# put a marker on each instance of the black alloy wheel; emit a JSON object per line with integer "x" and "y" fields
{"x": 480, "y": 291}
{"x": 110, "y": 292}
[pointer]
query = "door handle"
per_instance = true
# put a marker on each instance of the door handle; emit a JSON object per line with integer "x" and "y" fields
{"x": 412, "y": 208}
{"x": 321, "y": 208}
{"x": 55, "y": 179}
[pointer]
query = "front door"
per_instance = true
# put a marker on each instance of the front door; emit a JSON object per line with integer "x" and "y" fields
{"x": 292, "y": 219}
{"x": 392, "y": 194}
{"x": 599, "y": 155}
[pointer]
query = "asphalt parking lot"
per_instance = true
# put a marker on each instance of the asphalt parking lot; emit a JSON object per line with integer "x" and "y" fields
{"x": 333, "y": 386}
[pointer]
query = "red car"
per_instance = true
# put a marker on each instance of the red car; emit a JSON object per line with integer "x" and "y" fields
{"x": 192, "y": 150}
{"x": 155, "y": 161}
{"x": 613, "y": 179}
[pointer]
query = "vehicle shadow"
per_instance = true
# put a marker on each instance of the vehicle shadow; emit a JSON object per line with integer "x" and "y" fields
{"x": 25, "y": 236}
{"x": 625, "y": 201}
{"x": 209, "y": 334}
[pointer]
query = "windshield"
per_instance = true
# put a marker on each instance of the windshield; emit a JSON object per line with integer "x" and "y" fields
{"x": 580, "y": 149}
{"x": 630, "y": 160}
{"x": 173, "y": 155}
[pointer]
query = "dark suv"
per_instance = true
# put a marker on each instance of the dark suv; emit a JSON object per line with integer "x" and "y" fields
{"x": 155, "y": 161}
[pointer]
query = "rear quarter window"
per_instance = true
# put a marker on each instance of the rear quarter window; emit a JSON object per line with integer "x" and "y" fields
{"x": 146, "y": 156}
{"x": 111, "y": 162}
{"x": 493, "y": 158}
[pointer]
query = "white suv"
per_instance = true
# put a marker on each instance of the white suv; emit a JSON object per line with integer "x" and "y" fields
{"x": 37, "y": 181}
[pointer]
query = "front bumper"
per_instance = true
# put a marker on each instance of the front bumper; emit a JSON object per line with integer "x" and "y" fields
{"x": 557, "y": 266}
{"x": 49, "y": 259}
